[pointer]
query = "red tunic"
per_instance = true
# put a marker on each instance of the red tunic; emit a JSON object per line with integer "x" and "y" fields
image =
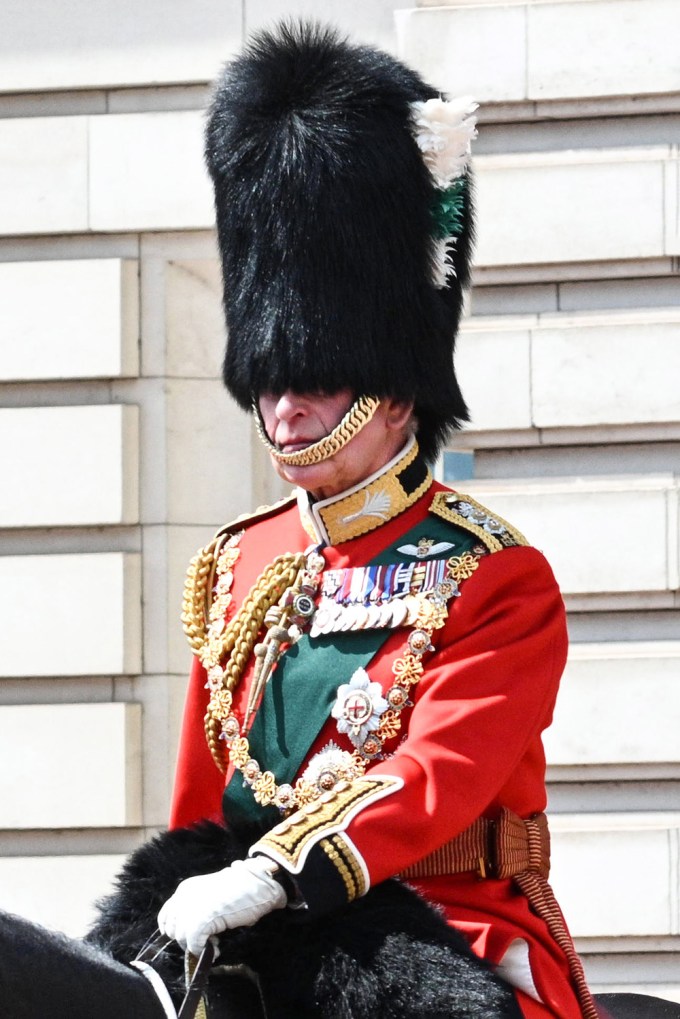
{"x": 473, "y": 738}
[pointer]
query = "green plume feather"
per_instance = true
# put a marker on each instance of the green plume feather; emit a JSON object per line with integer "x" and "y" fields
{"x": 447, "y": 209}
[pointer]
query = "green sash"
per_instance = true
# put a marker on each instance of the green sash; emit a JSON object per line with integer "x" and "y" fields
{"x": 303, "y": 688}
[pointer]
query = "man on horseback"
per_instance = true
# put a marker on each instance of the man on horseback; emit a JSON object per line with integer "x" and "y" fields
{"x": 377, "y": 656}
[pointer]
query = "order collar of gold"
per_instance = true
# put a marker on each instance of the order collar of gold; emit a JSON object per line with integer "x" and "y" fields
{"x": 227, "y": 735}
{"x": 367, "y": 506}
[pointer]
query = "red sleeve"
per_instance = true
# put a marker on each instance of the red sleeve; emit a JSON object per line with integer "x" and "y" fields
{"x": 199, "y": 783}
{"x": 474, "y": 734}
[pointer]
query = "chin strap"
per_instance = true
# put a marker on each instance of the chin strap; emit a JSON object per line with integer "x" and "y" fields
{"x": 356, "y": 418}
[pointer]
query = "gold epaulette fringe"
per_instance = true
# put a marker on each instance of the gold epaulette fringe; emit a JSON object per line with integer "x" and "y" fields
{"x": 200, "y": 576}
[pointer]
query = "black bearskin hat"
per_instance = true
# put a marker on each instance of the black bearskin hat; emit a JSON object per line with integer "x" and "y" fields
{"x": 325, "y": 222}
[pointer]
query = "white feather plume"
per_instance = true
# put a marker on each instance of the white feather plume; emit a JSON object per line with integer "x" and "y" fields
{"x": 444, "y": 130}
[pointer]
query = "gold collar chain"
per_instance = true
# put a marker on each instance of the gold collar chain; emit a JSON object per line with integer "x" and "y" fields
{"x": 227, "y": 648}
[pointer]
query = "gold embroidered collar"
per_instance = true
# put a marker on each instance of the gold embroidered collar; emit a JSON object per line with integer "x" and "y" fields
{"x": 378, "y": 499}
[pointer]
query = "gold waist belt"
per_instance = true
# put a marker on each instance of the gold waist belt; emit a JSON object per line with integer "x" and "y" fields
{"x": 511, "y": 847}
{"x": 500, "y": 848}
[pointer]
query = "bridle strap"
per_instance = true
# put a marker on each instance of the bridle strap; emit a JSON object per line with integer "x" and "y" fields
{"x": 196, "y": 970}
{"x": 193, "y": 1006}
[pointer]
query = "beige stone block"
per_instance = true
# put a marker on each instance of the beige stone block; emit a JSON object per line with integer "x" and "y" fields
{"x": 584, "y": 527}
{"x": 672, "y": 204}
{"x": 147, "y": 172}
{"x": 76, "y": 318}
{"x": 570, "y": 206}
{"x": 161, "y": 698}
{"x": 93, "y": 777}
{"x": 68, "y": 466}
{"x": 634, "y": 686}
{"x": 460, "y": 51}
{"x": 602, "y": 48}
{"x": 593, "y": 857}
{"x": 364, "y": 22}
{"x": 70, "y": 615}
{"x": 195, "y": 330}
{"x": 493, "y": 366}
{"x": 606, "y": 368}
{"x": 179, "y": 281}
{"x": 58, "y": 892}
{"x": 208, "y": 453}
{"x": 547, "y": 51}
{"x": 43, "y": 175}
{"x": 86, "y": 45}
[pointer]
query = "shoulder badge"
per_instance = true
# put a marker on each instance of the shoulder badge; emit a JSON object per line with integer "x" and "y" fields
{"x": 199, "y": 583}
{"x": 464, "y": 511}
{"x": 245, "y": 520}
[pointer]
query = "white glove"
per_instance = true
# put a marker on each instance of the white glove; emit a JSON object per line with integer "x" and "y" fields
{"x": 237, "y": 896}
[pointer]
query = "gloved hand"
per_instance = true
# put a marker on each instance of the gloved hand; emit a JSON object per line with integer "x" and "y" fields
{"x": 237, "y": 896}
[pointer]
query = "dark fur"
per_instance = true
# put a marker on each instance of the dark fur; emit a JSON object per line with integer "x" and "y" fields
{"x": 44, "y": 975}
{"x": 323, "y": 208}
{"x": 386, "y": 955}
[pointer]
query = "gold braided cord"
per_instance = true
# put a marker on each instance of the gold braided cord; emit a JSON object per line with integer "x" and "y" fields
{"x": 234, "y": 645}
{"x": 356, "y": 418}
{"x": 542, "y": 899}
{"x": 199, "y": 583}
{"x": 197, "y": 588}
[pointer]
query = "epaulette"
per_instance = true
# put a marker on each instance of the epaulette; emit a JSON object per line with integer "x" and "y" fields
{"x": 244, "y": 521}
{"x": 464, "y": 511}
{"x": 200, "y": 576}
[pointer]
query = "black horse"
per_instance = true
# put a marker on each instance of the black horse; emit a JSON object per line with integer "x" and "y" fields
{"x": 386, "y": 956}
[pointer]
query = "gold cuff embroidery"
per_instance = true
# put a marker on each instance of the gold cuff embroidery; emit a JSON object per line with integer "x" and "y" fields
{"x": 347, "y": 865}
{"x": 290, "y": 841}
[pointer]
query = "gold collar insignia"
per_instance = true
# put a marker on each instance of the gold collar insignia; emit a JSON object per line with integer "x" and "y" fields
{"x": 378, "y": 499}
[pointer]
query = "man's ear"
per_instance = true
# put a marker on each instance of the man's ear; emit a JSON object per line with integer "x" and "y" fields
{"x": 398, "y": 413}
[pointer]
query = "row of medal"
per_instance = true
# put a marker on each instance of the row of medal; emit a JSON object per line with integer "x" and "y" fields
{"x": 375, "y": 597}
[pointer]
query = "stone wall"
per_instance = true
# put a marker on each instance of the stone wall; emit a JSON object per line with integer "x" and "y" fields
{"x": 120, "y": 452}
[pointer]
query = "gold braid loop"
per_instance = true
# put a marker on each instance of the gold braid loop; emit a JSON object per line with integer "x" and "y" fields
{"x": 195, "y": 598}
{"x": 359, "y": 414}
{"x": 230, "y": 651}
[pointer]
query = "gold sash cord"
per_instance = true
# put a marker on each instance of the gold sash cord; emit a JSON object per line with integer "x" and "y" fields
{"x": 510, "y": 847}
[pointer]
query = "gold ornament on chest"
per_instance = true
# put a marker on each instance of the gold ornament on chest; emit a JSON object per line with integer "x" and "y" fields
{"x": 283, "y": 602}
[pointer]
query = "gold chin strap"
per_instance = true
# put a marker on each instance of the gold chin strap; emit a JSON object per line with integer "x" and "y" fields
{"x": 356, "y": 418}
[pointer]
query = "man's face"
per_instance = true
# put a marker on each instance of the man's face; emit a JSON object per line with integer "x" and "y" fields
{"x": 293, "y": 421}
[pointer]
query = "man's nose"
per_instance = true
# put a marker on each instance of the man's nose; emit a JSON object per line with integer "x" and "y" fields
{"x": 289, "y": 405}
